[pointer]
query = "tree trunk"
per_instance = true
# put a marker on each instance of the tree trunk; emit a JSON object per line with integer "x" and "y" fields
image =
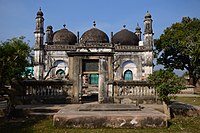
{"x": 166, "y": 110}
{"x": 192, "y": 79}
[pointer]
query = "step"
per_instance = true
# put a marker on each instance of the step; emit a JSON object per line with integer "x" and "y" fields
{"x": 109, "y": 107}
{"x": 41, "y": 114}
{"x": 46, "y": 109}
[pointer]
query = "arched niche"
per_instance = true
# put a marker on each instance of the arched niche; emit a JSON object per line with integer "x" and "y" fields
{"x": 61, "y": 66}
{"x": 129, "y": 68}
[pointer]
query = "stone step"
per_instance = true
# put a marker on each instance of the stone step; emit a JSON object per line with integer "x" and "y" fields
{"x": 41, "y": 114}
{"x": 45, "y": 110}
{"x": 109, "y": 107}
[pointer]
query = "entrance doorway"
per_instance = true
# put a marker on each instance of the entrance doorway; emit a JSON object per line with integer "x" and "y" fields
{"x": 90, "y": 81}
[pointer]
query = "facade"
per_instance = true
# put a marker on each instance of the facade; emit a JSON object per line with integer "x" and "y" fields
{"x": 93, "y": 61}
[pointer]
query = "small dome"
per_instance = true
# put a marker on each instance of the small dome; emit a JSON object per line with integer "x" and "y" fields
{"x": 126, "y": 37}
{"x": 49, "y": 27}
{"x": 147, "y": 15}
{"x": 64, "y": 36}
{"x": 94, "y": 35}
{"x": 137, "y": 27}
{"x": 40, "y": 13}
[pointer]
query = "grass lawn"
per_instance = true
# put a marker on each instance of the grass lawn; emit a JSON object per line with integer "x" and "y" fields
{"x": 44, "y": 125}
{"x": 189, "y": 100}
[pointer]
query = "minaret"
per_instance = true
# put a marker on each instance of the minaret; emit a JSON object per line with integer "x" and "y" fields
{"x": 138, "y": 31}
{"x": 148, "y": 44}
{"x": 49, "y": 35}
{"x": 39, "y": 47}
{"x": 148, "y": 31}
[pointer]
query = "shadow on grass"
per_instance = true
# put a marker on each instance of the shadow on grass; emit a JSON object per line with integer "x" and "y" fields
{"x": 19, "y": 124}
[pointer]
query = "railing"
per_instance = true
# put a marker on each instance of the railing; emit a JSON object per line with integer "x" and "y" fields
{"x": 130, "y": 48}
{"x": 60, "y": 47}
{"x": 40, "y": 90}
{"x": 134, "y": 91}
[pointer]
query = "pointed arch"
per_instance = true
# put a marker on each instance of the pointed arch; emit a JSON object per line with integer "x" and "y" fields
{"x": 60, "y": 73}
{"x": 60, "y": 65}
{"x": 128, "y": 75}
{"x": 129, "y": 70}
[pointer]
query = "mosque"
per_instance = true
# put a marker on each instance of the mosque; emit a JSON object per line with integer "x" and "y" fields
{"x": 93, "y": 60}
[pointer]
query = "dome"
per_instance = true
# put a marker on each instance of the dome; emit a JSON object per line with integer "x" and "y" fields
{"x": 137, "y": 27}
{"x": 64, "y": 36}
{"x": 40, "y": 13}
{"x": 49, "y": 27}
{"x": 126, "y": 37}
{"x": 94, "y": 35}
{"x": 147, "y": 15}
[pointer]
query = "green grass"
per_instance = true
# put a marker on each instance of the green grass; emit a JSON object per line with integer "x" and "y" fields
{"x": 44, "y": 125}
{"x": 189, "y": 100}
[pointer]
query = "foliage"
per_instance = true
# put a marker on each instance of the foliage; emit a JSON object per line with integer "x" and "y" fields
{"x": 179, "y": 47}
{"x": 166, "y": 83}
{"x": 13, "y": 59}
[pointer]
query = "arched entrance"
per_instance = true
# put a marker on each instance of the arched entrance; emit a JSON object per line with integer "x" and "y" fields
{"x": 90, "y": 80}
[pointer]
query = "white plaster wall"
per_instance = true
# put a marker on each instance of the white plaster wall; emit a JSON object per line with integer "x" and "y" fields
{"x": 36, "y": 72}
{"x": 141, "y": 43}
{"x": 147, "y": 70}
{"x": 37, "y": 56}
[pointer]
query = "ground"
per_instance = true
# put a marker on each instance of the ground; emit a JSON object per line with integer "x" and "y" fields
{"x": 44, "y": 124}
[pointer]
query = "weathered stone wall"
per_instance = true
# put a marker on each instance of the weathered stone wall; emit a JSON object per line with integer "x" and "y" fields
{"x": 47, "y": 91}
{"x": 129, "y": 92}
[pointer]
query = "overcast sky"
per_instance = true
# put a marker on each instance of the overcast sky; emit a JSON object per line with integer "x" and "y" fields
{"x": 17, "y": 17}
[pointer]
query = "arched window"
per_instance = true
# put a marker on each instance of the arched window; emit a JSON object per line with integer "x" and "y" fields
{"x": 128, "y": 75}
{"x": 60, "y": 73}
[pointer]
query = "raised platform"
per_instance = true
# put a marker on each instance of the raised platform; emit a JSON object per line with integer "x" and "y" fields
{"x": 108, "y": 107}
{"x": 108, "y": 115}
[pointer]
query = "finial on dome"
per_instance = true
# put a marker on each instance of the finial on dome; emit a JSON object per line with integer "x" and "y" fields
{"x": 94, "y": 23}
{"x": 40, "y": 13}
{"x": 124, "y": 26}
{"x": 137, "y": 27}
{"x": 148, "y": 15}
{"x": 64, "y": 25}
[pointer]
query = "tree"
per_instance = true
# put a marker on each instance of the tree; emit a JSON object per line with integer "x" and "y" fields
{"x": 13, "y": 59}
{"x": 167, "y": 83}
{"x": 179, "y": 47}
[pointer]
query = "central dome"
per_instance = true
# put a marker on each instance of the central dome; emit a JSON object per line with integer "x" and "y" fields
{"x": 64, "y": 36}
{"x": 126, "y": 37}
{"x": 94, "y": 35}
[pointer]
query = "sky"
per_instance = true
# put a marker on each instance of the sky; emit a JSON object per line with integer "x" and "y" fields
{"x": 17, "y": 17}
